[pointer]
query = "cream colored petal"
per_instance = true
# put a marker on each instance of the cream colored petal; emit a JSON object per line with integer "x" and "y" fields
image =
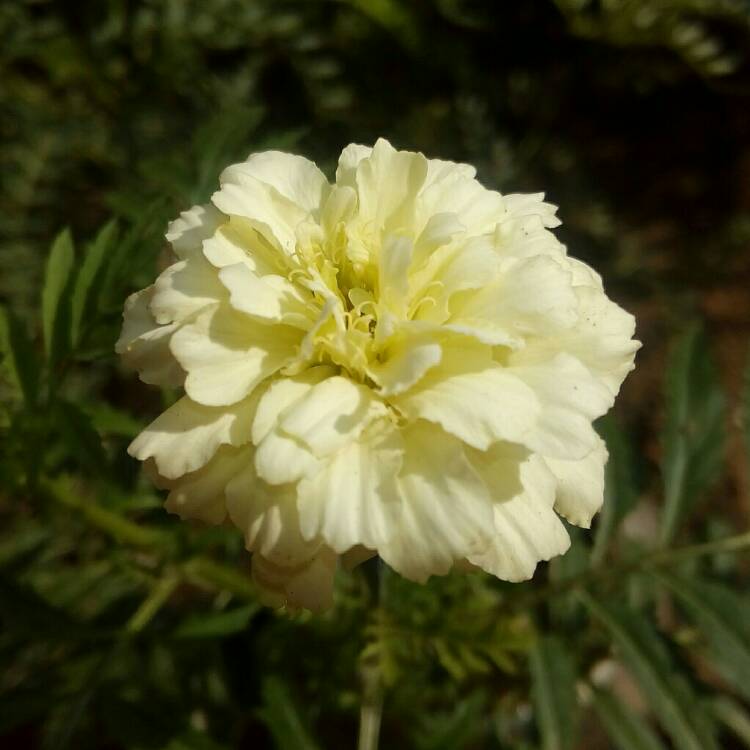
{"x": 527, "y": 528}
{"x": 200, "y": 494}
{"x": 393, "y": 275}
{"x": 226, "y": 354}
{"x": 144, "y": 345}
{"x": 187, "y": 435}
{"x": 187, "y": 233}
{"x": 283, "y": 393}
{"x": 478, "y": 406}
{"x": 298, "y": 179}
{"x": 238, "y": 241}
{"x": 184, "y": 288}
{"x": 308, "y": 586}
{"x": 440, "y": 229}
{"x": 353, "y": 499}
{"x": 268, "y": 518}
{"x": 351, "y": 156}
{"x": 273, "y": 215}
{"x": 404, "y": 361}
{"x": 571, "y": 400}
{"x": 532, "y": 204}
{"x": 388, "y": 182}
{"x": 272, "y": 299}
{"x": 281, "y": 459}
{"x": 532, "y": 297}
{"x": 446, "y": 508}
{"x": 333, "y": 413}
{"x": 451, "y": 188}
{"x": 580, "y": 485}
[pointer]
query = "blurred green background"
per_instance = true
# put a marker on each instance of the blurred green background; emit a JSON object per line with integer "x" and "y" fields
{"x": 121, "y": 627}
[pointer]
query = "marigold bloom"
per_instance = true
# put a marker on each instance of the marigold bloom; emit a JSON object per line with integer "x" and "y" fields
{"x": 402, "y": 363}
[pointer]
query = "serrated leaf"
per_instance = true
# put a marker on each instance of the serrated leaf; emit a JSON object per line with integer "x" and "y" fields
{"x": 84, "y": 288}
{"x": 668, "y": 693}
{"x": 55, "y": 295}
{"x": 553, "y": 693}
{"x": 730, "y": 713}
{"x": 217, "y": 624}
{"x": 626, "y": 730}
{"x": 19, "y": 360}
{"x": 724, "y": 619}
{"x": 282, "y": 717}
{"x": 693, "y": 436}
{"x": 620, "y": 488}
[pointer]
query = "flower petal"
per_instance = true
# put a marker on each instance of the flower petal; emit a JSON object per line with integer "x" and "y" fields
{"x": 188, "y": 232}
{"x": 272, "y": 299}
{"x": 527, "y": 528}
{"x": 353, "y": 499}
{"x": 332, "y": 414}
{"x": 226, "y": 354}
{"x": 187, "y": 435}
{"x": 480, "y": 405}
{"x": 200, "y": 494}
{"x": 571, "y": 399}
{"x": 580, "y": 485}
{"x": 446, "y": 508}
{"x": 184, "y": 288}
{"x": 144, "y": 344}
{"x": 307, "y": 586}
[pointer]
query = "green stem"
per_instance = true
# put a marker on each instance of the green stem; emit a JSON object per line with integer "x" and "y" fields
{"x": 371, "y": 709}
{"x": 602, "y": 575}
{"x": 153, "y": 603}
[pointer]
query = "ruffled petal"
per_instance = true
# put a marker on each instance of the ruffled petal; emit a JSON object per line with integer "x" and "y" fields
{"x": 353, "y": 499}
{"x": 187, "y": 435}
{"x": 188, "y": 232}
{"x": 526, "y": 528}
{"x": 580, "y": 485}
{"x": 446, "y": 507}
{"x": 144, "y": 344}
{"x": 226, "y": 354}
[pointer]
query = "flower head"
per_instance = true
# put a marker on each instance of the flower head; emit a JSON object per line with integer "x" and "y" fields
{"x": 400, "y": 363}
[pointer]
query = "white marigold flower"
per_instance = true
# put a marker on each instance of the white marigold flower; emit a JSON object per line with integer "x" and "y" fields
{"x": 401, "y": 363}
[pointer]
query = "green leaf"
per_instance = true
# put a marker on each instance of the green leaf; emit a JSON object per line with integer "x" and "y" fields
{"x": 730, "y": 713}
{"x": 217, "y": 624}
{"x": 693, "y": 436}
{"x": 553, "y": 692}
{"x": 724, "y": 618}
{"x": 626, "y": 730}
{"x": 84, "y": 290}
{"x": 669, "y": 694}
{"x": 80, "y": 439}
{"x": 620, "y": 488}
{"x": 55, "y": 308}
{"x": 19, "y": 360}
{"x": 281, "y": 716}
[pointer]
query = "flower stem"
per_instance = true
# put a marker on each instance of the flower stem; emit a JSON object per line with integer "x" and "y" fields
{"x": 371, "y": 708}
